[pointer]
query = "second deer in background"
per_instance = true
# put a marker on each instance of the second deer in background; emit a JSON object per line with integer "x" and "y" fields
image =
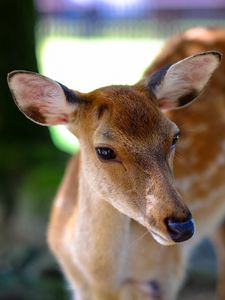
{"x": 200, "y": 168}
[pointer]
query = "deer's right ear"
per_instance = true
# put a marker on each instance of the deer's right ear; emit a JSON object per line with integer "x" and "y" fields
{"x": 42, "y": 99}
{"x": 179, "y": 84}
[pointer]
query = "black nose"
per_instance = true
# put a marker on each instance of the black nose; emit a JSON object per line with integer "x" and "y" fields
{"x": 180, "y": 231}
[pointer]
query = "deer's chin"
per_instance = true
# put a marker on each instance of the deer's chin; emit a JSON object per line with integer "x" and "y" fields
{"x": 161, "y": 239}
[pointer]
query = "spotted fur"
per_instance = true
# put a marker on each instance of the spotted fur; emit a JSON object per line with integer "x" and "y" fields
{"x": 200, "y": 167}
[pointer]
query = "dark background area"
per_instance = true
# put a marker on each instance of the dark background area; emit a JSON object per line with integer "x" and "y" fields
{"x": 30, "y": 165}
{"x": 28, "y": 170}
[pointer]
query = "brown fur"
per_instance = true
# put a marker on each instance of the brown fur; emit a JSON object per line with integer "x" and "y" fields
{"x": 199, "y": 149}
{"x": 105, "y": 210}
{"x": 141, "y": 149}
{"x": 202, "y": 163}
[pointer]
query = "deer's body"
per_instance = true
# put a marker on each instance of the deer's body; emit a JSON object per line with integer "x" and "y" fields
{"x": 200, "y": 168}
{"x": 120, "y": 188}
{"x": 102, "y": 259}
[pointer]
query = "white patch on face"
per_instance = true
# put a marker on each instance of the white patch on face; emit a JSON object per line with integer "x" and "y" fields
{"x": 150, "y": 199}
{"x": 150, "y": 202}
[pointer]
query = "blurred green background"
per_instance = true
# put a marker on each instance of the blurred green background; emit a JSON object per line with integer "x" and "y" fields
{"x": 83, "y": 44}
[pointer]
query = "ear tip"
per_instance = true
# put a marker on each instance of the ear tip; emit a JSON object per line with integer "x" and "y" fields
{"x": 11, "y": 74}
{"x": 217, "y": 54}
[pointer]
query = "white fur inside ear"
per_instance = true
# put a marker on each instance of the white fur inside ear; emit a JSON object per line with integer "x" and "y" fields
{"x": 40, "y": 98}
{"x": 188, "y": 75}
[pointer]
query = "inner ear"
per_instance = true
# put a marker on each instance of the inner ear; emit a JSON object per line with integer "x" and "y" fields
{"x": 42, "y": 99}
{"x": 179, "y": 84}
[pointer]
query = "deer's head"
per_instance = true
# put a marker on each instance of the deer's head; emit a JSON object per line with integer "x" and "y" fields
{"x": 127, "y": 144}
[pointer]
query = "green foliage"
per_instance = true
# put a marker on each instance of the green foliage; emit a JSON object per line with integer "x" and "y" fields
{"x": 32, "y": 275}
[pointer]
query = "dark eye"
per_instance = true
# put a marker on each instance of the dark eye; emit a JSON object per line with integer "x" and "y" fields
{"x": 175, "y": 139}
{"x": 105, "y": 153}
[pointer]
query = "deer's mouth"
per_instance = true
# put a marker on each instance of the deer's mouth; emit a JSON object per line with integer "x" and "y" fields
{"x": 162, "y": 239}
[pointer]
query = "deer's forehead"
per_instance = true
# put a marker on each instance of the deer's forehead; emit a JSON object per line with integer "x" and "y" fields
{"x": 133, "y": 120}
{"x": 138, "y": 119}
{"x": 132, "y": 112}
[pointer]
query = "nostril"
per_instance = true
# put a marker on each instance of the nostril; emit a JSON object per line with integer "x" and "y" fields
{"x": 180, "y": 231}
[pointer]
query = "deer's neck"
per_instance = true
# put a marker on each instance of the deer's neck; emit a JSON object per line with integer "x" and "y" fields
{"x": 100, "y": 216}
{"x": 102, "y": 230}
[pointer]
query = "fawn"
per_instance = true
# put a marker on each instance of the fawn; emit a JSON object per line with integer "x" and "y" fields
{"x": 120, "y": 187}
{"x": 200, "y": 172}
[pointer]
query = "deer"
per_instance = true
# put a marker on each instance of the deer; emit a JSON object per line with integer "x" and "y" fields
{"x": 117, "y": 206}
{"x": 200, "y": 170}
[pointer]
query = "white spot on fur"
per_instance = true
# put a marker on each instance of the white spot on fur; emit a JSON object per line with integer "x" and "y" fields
{"x": 214, "y": 166}
{"x": 201, "y": 128}
{"x": 186, "y": 184}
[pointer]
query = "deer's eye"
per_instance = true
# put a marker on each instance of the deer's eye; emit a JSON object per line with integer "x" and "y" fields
{"x": 105, "y": 153}
{"x": 175, "y": 139}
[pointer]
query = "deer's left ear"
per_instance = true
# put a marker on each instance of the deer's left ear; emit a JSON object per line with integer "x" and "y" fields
{"x": 42, "y": 99}
{"x": 179, "y": 84}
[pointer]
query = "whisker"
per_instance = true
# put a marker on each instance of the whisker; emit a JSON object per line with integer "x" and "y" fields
{"x": 139, "y": 238}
